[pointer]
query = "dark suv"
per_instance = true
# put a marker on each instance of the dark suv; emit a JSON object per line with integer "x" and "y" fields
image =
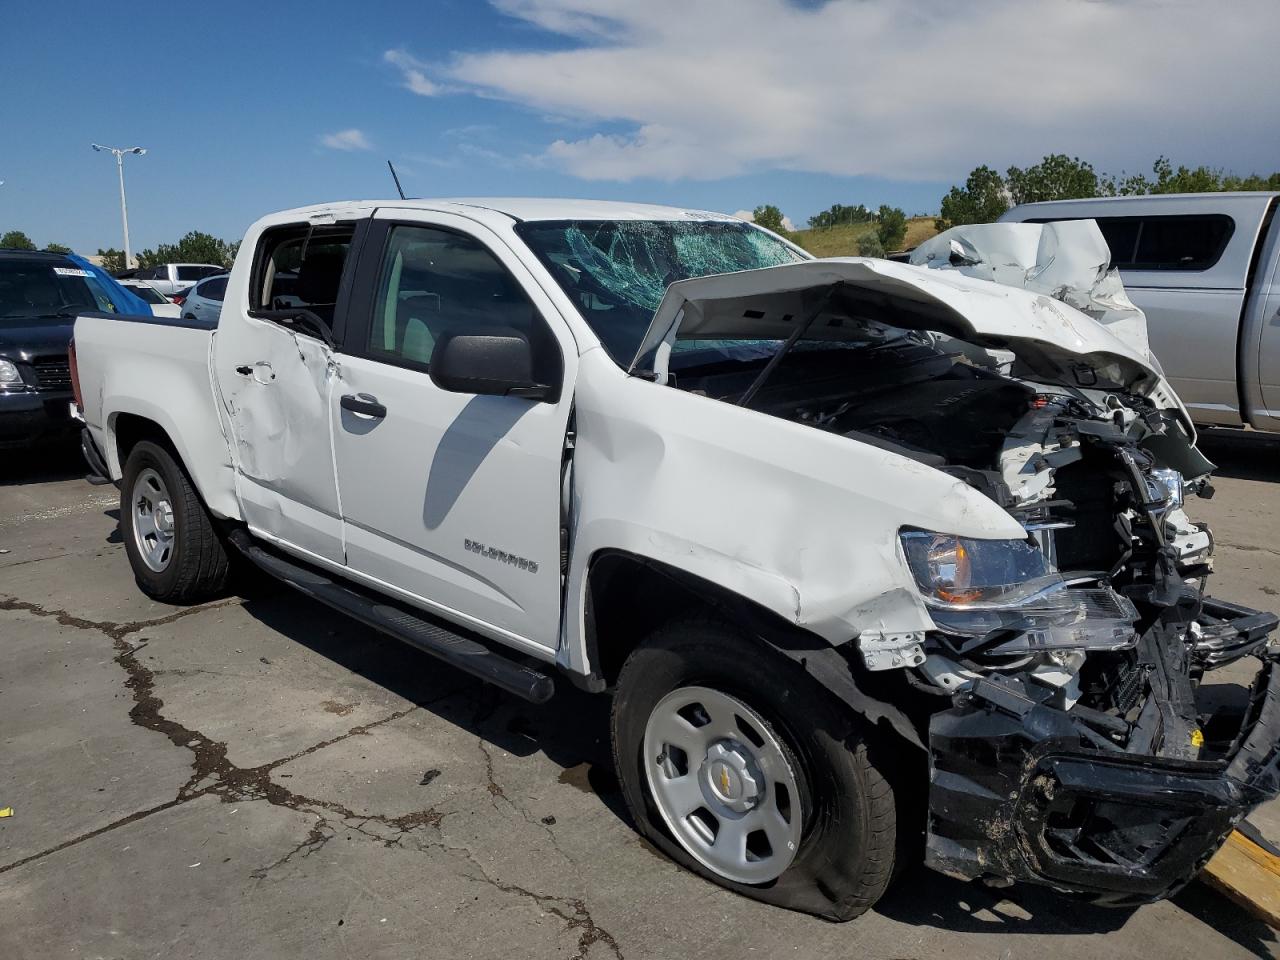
{"x": 40, "y": 295}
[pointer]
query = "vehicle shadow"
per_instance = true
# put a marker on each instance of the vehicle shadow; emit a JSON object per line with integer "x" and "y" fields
{"x": 1242, "y": 456}
{"x": 43, "y": 464}
{"x": 572, "y": 731}
{"x": 924, "y": 898}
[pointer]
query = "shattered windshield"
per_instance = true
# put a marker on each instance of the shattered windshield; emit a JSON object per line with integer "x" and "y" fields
{"x": 616, "y": 272}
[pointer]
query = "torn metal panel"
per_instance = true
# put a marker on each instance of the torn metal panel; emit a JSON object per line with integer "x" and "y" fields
{"x": 1068, "y": 260}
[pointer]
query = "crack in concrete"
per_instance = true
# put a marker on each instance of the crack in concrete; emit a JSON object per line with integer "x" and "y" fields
{"x": 213, "y": 774}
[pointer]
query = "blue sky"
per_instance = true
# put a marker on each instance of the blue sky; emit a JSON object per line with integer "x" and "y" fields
{"x": 247, "y": 108}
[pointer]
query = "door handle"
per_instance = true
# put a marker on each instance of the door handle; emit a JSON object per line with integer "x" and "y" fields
{"x": 363, "y": 403}
{"x": 261, "y": 371}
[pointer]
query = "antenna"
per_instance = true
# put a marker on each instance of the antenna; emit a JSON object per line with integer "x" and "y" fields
{"x": 399, "y": 189}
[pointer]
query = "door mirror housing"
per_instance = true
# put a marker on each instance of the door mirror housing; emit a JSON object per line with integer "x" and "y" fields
{"x": 496, "y": 362}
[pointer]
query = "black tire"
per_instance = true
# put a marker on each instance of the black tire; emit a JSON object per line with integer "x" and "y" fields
{"x": 847, "y": 849}
{"x": 198, "y": 567}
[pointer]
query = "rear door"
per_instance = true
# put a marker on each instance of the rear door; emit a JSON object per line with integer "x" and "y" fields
{"x": 275, "y": 375}
{"x": 452, "y": 499}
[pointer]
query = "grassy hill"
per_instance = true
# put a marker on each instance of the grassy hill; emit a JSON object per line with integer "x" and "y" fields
{"x": 842, "y": 241}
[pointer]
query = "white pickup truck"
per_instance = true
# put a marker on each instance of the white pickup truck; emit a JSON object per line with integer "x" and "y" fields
{"x": 854, "y": 593}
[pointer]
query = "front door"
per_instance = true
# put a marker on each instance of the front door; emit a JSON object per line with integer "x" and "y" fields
{"x": 452, "y": 499}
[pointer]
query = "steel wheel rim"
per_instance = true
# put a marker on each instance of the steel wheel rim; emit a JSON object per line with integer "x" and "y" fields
{"x": 153, "y": 520}
{"x": 732, "y": 800}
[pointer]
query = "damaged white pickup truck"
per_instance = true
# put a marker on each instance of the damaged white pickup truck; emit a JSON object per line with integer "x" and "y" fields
{"x": 856, "y": 586}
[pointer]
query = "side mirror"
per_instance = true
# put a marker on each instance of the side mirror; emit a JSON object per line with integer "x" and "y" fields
{"x": 493, "y": 363}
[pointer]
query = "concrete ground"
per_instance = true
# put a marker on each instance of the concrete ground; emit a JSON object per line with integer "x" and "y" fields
{"x": 261, "y": 778}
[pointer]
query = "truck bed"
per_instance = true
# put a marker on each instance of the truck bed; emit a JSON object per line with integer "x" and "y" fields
{"x": 157, "y": 369}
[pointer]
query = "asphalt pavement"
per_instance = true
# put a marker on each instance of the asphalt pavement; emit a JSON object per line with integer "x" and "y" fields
{"x": 260, "y": 778}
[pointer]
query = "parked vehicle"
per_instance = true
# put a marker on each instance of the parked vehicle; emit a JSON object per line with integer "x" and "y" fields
{"x": 847, "y": 588}
{"x": 1205, "y": 268}
{"x": 204, "y": 301}
{"x": 40, "y": 295}
{"x": 161, "y": 306}
{"x": 172, "y": 277}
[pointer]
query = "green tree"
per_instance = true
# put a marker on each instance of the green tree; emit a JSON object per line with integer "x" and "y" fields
{"x": 16, "y": 240}
{"x": 982, "y": 199}
{"x": 57, "y": 248}
{"x": 1056, "y": 177}
{"x": 891, "y": 227}
{"x": 839, "y": 214}
{"x": 194, "y": 247}
{"x": 769, "y": 217}
{"x": 112, "y": 259}
{"x": 869, "y": 245}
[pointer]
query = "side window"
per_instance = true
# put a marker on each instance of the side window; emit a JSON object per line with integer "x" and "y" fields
{"x": 433, "y": 280}
{"x": 300, "y": 265}
{"x": 1174, "y": 242}
{"x": 214, "y": 289}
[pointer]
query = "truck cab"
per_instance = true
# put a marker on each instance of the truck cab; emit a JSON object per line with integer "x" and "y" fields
{"x": 1205, "y": 268}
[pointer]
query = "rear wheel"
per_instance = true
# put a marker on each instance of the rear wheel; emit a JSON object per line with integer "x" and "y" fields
{"x": 740, "y": 766}
{"x": 169, "y": 537}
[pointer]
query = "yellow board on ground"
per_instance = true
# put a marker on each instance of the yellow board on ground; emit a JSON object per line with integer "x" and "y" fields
{"x": 1249, "y": 875}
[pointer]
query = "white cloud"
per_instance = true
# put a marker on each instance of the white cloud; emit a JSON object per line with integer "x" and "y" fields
{"x": 750, "y": 217}
{"x": 880, "y": 87}
{"x": 413, "y": 73}
{"x": 352, "y": 139}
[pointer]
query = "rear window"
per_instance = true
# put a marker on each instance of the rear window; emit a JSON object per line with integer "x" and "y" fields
{"x": 188, "y": 274}
{"x": 300, "y": 266}
{"x": 47, "y": 289}
{"x": 1173, "y": 242}
{"x": 147, "y": 294}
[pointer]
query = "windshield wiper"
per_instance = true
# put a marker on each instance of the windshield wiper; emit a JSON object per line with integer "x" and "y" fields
{"x": 749, "y": 394}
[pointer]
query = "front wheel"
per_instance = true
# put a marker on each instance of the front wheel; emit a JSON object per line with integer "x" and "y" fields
{"x": 740, "y": 766}
{"x": 169, "y": 537}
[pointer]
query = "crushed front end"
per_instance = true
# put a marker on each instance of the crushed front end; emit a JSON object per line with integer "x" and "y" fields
{"x": 1082, "y": 748}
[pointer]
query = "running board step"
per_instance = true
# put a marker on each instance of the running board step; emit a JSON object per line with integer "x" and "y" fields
{"x": 427, "y": 635}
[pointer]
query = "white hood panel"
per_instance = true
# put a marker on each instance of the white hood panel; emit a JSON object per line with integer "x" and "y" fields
{"x": 1057, "y": 342}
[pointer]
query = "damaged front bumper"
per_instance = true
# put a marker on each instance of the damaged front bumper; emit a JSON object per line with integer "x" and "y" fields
{"x": 1018, "y": 794}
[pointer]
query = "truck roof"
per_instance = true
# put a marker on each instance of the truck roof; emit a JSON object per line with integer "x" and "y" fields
{"x": 521, "y": 208}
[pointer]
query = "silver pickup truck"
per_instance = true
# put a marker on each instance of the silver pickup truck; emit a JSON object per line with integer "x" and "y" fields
{"x": 1205, "y": 268}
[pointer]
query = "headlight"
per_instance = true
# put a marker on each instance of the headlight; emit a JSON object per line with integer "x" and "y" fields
{"x": 1004, "y": 598}
{"x": 9, "y": 374}
{"x": 1171, "y": 481}
{"x": 987, "y": 573}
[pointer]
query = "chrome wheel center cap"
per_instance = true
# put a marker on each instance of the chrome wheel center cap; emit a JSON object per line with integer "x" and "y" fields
{"x": 731, "y": 777}
{"x": 164, "y": 517}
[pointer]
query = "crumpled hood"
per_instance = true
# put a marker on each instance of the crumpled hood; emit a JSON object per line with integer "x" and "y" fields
{"x": 855, "y": 296}
{"x": 1070, "y": 261}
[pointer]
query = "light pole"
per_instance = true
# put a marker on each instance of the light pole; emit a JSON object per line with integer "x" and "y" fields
{"x": 124, "y": 207}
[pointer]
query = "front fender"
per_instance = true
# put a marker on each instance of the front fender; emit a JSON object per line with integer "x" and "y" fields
{"x": 802, "y": 522}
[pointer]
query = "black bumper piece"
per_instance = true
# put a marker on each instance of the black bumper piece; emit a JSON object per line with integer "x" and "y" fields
{"x": 1017, "y": 795}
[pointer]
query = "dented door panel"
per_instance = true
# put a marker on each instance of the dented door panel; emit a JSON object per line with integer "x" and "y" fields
{"x": 275, "y": 386}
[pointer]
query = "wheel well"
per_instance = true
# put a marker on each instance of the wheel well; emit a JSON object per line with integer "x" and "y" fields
{"x": 131, "y": 429}
{"x": 627, "y": 599}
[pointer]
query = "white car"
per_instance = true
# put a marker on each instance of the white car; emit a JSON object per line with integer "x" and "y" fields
{"x": 204, "y": 301}
{"x": 161, "y": 306}
{"x": 848, "y": 583}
